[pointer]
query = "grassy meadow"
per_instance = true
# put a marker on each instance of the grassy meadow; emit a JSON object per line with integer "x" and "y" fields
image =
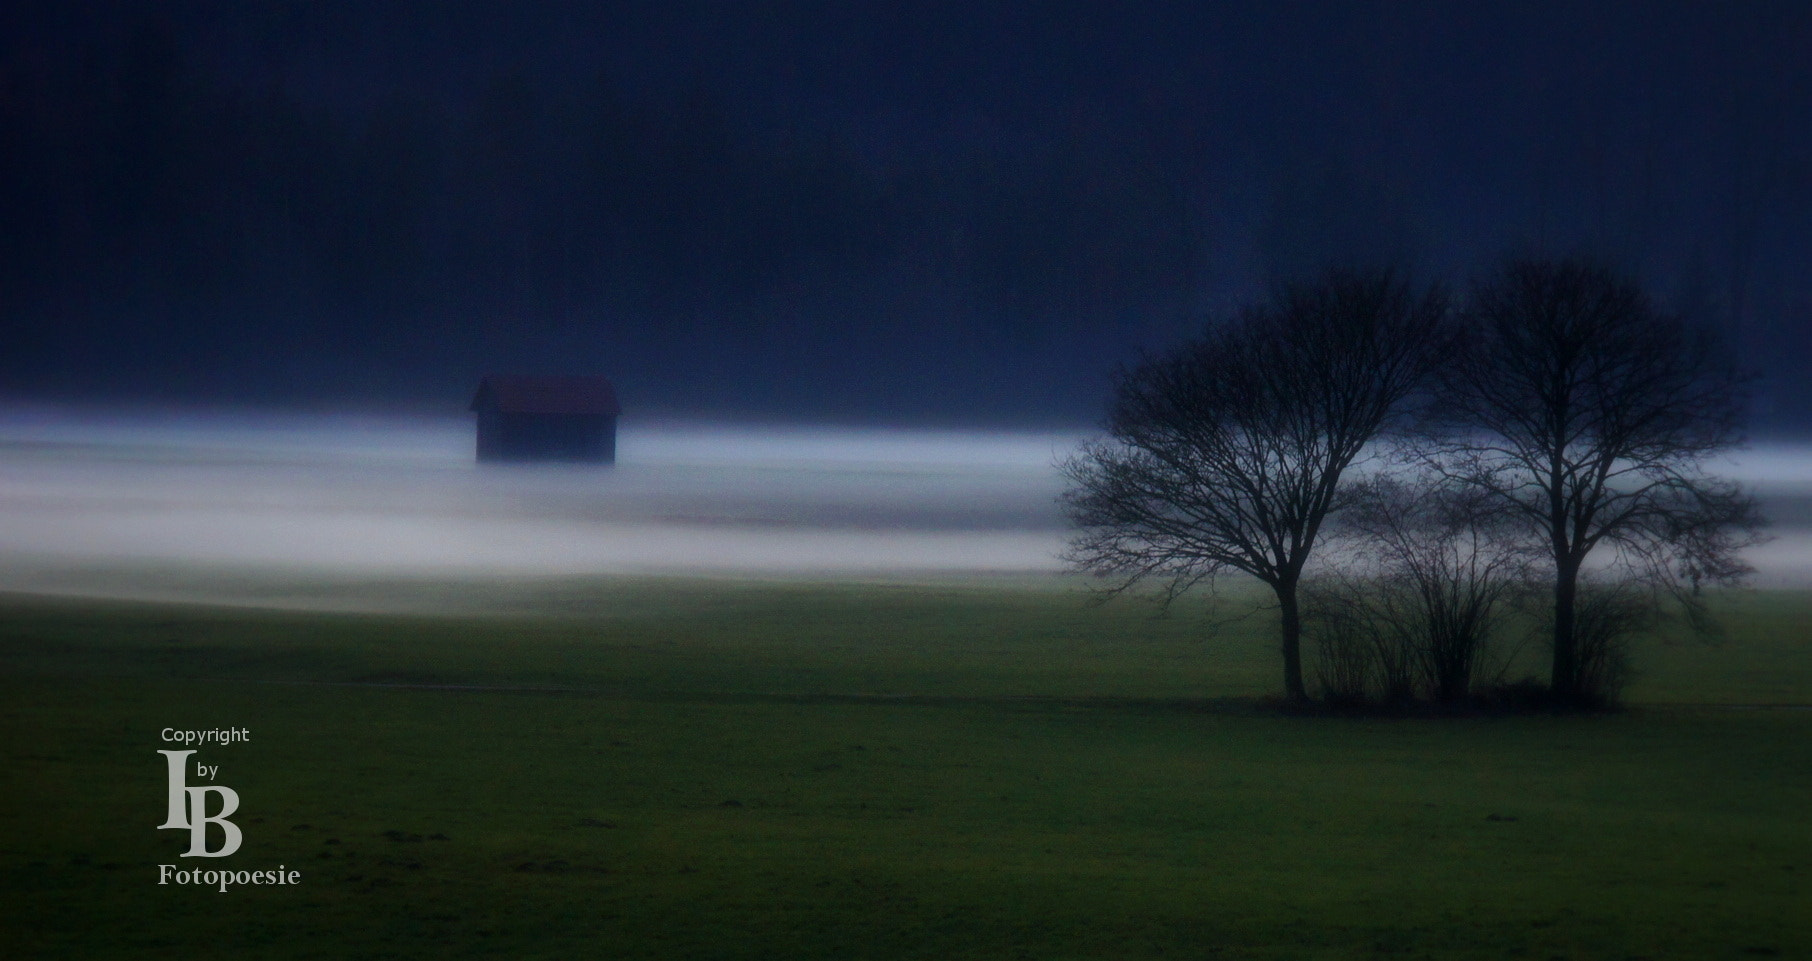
{"x": 721, "y": 769}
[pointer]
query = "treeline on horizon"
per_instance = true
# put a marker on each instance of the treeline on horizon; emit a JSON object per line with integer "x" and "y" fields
{"x": 530, "y": 221}
{"x": 170, "y": 229}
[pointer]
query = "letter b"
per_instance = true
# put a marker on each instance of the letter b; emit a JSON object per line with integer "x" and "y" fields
{"x": 199, "y": 821}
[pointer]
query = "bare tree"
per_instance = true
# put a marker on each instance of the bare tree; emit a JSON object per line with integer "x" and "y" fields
{"x": 1227, "y": 453}
{"x": 1350, "y": 663}
{"x": 1425, "y": 572}
{"x": 1366, "y": 633}
{"x": 1590, "y": 413}
{"x": 1610, "y": 611}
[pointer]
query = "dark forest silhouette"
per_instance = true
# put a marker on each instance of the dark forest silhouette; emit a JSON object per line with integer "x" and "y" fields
{"x": 273, "y": 204}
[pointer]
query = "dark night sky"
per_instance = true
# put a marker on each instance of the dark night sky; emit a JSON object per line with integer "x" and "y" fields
{"x": 960, "y": 213}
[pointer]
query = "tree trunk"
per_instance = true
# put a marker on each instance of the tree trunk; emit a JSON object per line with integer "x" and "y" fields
{"x": 1453, "y": 682}
{"x": 1292, "y": 641}
{"x": 1564, "y": 683}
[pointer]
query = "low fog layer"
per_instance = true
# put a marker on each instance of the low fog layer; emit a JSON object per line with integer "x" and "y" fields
{"x": 389, "y": 498}
{"x": 119, "y": 504}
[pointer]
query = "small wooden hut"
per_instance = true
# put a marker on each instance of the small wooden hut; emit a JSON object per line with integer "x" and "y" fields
{"x": 523, "y": 418}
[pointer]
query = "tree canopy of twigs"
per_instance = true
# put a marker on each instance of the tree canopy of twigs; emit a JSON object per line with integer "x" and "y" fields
{"x": 1590, "y": 413}
{"x": 1227, "y": 453}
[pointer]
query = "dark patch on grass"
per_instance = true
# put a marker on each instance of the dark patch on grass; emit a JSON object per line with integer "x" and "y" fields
{"x": 1488, "y": 704}
{"x": 558, "y": 866}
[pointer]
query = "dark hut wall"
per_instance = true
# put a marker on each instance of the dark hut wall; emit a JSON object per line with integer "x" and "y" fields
{"x": 573, "y": 437}
{"x": 539, "y": 417}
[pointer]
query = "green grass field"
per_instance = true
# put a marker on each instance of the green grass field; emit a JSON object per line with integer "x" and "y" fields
{"x": 698, "y": 769}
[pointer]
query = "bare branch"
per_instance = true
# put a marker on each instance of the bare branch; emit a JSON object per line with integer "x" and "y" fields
{"x": 1227, "y": 454}
{"x": 1588, "y": 412}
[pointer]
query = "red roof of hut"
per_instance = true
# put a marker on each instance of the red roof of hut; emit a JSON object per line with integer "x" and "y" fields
{"x": 521, "y": 394}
